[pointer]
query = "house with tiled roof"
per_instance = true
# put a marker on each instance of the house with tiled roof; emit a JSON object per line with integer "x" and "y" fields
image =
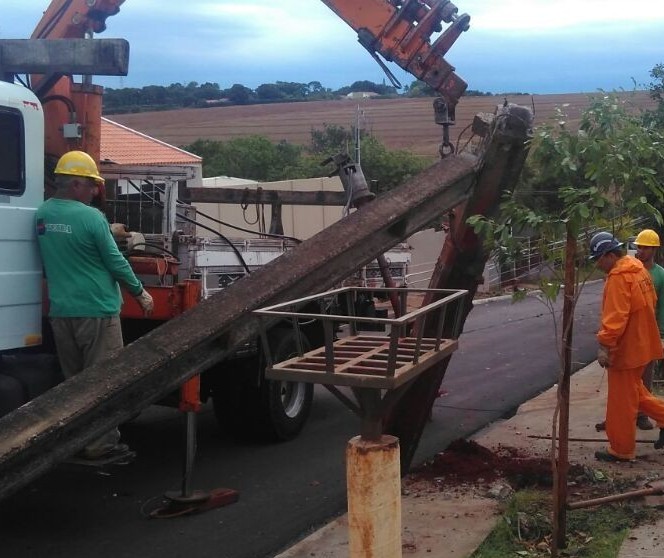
{"x": 122, "y": 146}
{"x": 142, "y": 175}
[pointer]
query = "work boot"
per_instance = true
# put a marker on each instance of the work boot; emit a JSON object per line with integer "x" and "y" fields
{"x": 643, "y": 423}
{"x": 659, "y": 444}
{"x": 105, "y": 452}
{"x": 610, "y": 458}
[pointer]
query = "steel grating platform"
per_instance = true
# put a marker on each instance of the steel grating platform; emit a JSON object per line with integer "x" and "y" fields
{"x": 365, "y": 361}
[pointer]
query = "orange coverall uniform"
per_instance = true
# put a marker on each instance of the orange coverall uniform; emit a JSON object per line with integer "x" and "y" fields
{"x": 629, "y": 330}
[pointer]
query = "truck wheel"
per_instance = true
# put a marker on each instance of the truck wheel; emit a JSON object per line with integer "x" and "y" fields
{"x": 11, "y": 394}
{"x": 272, "y": 411}
{"x": 37, "y": 373}
{"x": 286, "y": 407}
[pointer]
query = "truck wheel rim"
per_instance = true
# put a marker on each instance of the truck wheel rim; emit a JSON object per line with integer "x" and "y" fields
{"x": 292, "y": 398}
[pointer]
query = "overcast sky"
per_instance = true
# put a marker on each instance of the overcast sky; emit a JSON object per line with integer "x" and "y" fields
{"x": 533, "y": 46}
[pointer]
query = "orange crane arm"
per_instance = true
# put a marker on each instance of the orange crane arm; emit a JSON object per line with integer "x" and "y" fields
{"x": 66, "y": 102}
{"x": 400, "y": 31}
{"x": 73, "y": 19}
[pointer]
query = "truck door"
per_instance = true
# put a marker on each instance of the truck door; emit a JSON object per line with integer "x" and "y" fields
{"x": 21, "y": 191}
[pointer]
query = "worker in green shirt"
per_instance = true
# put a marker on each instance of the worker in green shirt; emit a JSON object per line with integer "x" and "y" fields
{"x": 647, "y": 243}
{"x": 84, "y": 269}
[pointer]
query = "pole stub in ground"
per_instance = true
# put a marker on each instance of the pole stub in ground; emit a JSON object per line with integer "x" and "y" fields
{"x": 374, "y": 497}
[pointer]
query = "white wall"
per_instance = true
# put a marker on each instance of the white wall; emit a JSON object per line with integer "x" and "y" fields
{"x": 299, "y": 221}
{"x": 426, "y": 246}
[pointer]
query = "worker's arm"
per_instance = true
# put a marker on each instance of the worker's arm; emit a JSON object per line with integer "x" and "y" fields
{"x": 615, "y": 311}
{"x": 113, "y": 260}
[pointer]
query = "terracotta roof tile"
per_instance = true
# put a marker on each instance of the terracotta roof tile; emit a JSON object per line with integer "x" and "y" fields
{"x": 125, "y": 146}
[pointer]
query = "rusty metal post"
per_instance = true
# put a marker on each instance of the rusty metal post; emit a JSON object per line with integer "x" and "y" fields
{"x": 373, "y": 477}
{"x": 373, "y": 484}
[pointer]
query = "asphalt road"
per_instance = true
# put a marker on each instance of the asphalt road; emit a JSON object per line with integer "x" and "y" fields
{"x": 507, "y": 355}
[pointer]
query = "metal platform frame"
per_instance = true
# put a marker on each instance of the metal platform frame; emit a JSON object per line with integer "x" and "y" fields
{"x": 377, "y": 368}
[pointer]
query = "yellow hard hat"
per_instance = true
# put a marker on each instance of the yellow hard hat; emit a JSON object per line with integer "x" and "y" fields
{"x": 78, "y": 163}
{"x": 647, "y": 237}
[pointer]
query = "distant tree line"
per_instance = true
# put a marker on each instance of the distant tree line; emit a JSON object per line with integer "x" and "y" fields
{"x": 195, "y": 95}
{"x": 258, "y": 158}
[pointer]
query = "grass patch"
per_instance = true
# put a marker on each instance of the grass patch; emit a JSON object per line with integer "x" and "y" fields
{"x": 525, "y": 530}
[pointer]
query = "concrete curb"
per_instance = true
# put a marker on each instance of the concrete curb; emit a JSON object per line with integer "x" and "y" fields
{"x": 534, "y": 292}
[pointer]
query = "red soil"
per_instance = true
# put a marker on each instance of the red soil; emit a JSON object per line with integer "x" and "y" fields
{"x": 465, "y": 462}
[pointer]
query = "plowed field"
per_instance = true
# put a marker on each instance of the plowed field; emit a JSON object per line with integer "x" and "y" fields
{"x": 398, "y": 123}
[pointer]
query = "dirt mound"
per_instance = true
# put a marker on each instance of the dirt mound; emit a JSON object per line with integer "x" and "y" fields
{"x": 467, "y": 462}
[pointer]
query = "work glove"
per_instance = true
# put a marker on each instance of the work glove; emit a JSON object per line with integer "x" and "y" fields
{"x": 119, "y": 230}
{"x": 603, "y": 356}
{"x": 121, "y": 236}
{"x": 146, "y": 302}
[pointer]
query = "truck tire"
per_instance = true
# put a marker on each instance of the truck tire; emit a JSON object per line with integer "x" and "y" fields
{"x": 37, "y": 373}
{"x": 11, "y": 394}
{"x": 265, "y": 410}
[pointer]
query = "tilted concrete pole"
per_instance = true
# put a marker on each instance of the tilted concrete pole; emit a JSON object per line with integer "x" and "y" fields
{"x": 60, "y": 422}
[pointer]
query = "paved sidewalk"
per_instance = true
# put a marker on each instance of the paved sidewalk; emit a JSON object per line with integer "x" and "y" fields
{"x": 451, "y": 524}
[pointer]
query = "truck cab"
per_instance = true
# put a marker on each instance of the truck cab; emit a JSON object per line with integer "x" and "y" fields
{"x": 21, "y": 192}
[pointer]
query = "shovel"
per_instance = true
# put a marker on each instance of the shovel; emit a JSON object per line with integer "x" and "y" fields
{"x": 653, "y": 488}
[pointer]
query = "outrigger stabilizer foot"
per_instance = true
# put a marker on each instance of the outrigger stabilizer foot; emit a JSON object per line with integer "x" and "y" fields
{"x": 188, "y": 501}
{"x": 177, "y": 504}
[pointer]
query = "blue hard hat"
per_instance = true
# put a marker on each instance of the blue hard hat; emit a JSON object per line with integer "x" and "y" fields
{"x": 601, "y": 243}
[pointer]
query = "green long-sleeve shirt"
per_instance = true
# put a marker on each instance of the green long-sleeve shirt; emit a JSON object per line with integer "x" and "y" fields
{"x": 657, "y": 275}
{"x": 82, "y": 262}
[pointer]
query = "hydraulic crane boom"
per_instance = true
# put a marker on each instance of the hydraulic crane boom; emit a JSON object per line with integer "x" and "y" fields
{"x": 74, "y": 19}
{"x": 400, "y": 31}
{"x": 66, "y": 102}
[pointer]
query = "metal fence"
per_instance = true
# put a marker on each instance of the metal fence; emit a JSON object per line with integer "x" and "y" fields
{"x": 529, "y": 264}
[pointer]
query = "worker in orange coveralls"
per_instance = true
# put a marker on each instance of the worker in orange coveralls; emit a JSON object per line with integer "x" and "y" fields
{"x": 628, "y": 340}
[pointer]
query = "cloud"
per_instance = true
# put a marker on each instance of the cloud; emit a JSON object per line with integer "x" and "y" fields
{"x": 533, "y": 16}
{"x": 535, "y": 45}
{"x": 554, "y": 64}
